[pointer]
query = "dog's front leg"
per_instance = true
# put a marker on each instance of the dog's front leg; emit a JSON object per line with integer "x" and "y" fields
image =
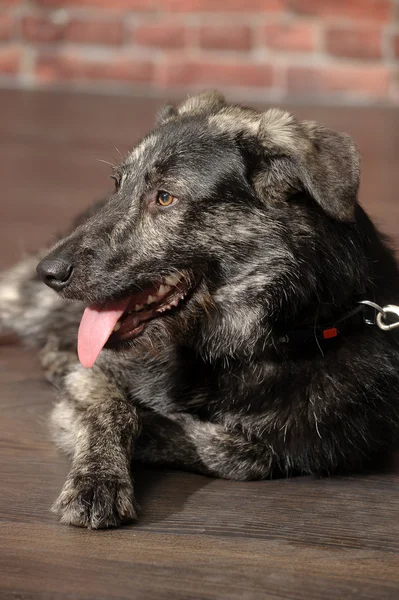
{"x": 96, "y": 425}
{"x": 208, "y": 448}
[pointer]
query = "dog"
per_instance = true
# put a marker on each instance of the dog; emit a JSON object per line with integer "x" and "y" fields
{"x": 207, "y": 315}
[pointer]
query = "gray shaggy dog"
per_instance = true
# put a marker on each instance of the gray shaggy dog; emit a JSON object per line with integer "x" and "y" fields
{"x": 217, "y": 292}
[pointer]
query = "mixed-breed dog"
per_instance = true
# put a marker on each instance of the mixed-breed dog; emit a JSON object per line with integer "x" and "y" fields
{"x": 208, "y": 315}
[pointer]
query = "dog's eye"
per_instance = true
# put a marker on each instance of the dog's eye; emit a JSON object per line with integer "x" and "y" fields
{"x": 165, "y": 199}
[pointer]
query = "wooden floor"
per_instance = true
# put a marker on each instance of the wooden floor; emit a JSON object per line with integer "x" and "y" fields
{"x": 198, "y": 538}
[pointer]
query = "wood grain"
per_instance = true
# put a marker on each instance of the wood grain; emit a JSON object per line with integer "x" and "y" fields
{"x": 198, "y": 538}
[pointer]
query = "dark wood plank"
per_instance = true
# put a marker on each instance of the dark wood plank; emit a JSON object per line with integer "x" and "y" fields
{"x": 301, "y": 538}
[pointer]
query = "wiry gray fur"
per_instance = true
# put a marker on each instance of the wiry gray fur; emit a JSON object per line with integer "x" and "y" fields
{"x": 269, "y": 233}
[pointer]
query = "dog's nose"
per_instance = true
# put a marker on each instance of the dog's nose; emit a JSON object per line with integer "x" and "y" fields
{"x": 55, "y": 272}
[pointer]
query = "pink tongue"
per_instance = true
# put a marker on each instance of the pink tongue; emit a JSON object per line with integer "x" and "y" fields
{"x": 96, "y": 326}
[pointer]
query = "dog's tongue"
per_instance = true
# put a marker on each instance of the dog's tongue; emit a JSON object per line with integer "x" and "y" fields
{"x": 96, "y": 326}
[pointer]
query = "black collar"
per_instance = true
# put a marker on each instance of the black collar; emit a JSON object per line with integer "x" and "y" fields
{"x": 322, "y": 336}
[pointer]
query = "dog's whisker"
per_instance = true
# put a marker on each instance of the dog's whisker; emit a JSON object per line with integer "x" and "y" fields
{"x": 106, "y": 162}
{"x": 120, "y": 153}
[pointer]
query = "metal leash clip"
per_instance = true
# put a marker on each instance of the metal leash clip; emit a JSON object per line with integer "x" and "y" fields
{"x": 383, "y": 313}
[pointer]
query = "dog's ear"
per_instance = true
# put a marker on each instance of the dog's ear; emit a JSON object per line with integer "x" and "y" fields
{"x": 207, "y": 102}
{"x": 326, "y": 163}
{"x": 166, "y": 113}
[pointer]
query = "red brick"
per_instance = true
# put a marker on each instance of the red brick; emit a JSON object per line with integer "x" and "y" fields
{"x": 354, "y": 42}
{"x": 292, "y": 37}
{"x": 160, "y": 35}
{"x": 244, "y": 6}
{"x": 42, "y": 29}
{"x": 108, "y": 32}
{"x": 220, "y": 73}
{"x": 112, "y": 5}
{"x": 10, "y": 57}
{"x": 225, "y": 37}
{"x": 72, "y": 67}
{"x": 6, "y": 27}
{"x": 308, "y": 81}
{"x": 371, "y": 10}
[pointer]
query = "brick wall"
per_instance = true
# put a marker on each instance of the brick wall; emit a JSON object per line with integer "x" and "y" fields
{"x": 330, "y": 50}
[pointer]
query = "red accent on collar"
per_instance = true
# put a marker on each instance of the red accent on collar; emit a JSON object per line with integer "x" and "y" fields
{"x": 330, "y": 333}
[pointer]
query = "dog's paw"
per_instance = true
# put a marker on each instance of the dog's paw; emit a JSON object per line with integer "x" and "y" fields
{"x": 96, "y": 501}
{"x": 56, "y": 363}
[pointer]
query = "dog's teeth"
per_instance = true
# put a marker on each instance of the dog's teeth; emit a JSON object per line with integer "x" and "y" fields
{"x": 164, "y": 289}
{"x": 138, "y": 307}
{"x": 117, "y": 326}
{"x": 151, "y": 299}
{"x": 172, "y": 279}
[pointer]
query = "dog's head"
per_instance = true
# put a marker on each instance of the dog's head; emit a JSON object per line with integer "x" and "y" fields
{"x": 224, "y": 222}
